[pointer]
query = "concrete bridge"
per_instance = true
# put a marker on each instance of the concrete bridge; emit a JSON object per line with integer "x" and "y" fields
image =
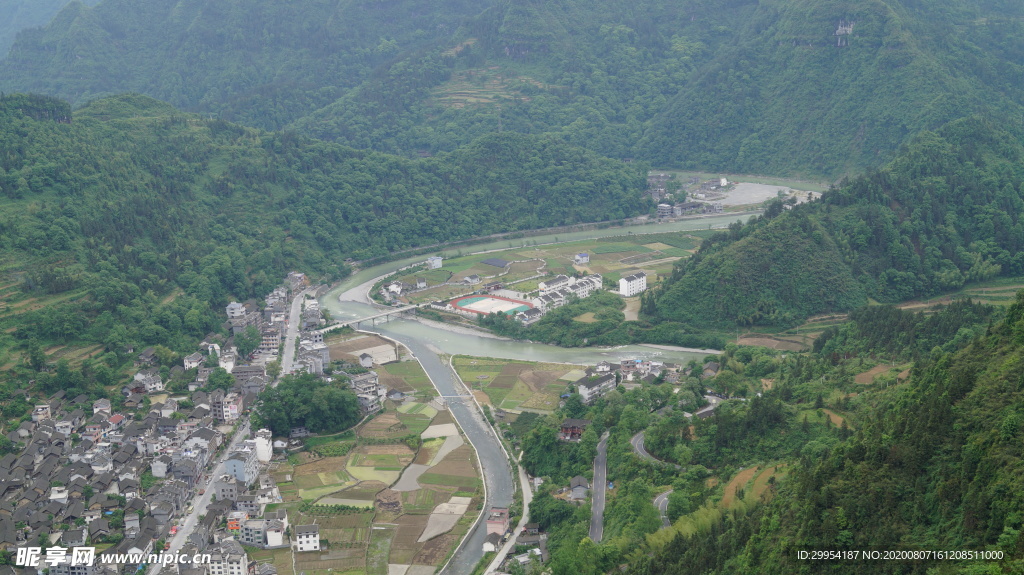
{"x": 385, "y": 315}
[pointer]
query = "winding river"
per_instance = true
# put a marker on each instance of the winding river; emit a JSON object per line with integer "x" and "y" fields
{"x": 428, "y": 340}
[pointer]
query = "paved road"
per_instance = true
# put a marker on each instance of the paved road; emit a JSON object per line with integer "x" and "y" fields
{"x": 638, "y": 446}
{"x": 292, "y": 332}
{"x": 497, "y": 472}
{"x": 200, "y": 502}
{"x": 600, "y": 484}
{"x": 637, "y": 441}
{"x": 661, "y": 503}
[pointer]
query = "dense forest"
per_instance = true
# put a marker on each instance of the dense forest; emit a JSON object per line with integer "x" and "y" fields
{"x": 933, "y": 464}
{"x": 945, "y": 212}
{"x": 702, "y": 84}
{"x": 925, "y": 460}
{"x": 127, "y": 223}
{"x": 19, "y": 15}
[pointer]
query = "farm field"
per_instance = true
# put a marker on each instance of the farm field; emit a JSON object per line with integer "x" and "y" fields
{"x": 408, "y": 377}
{"x": 365, "y": 524}
{"x": 515, "y": 385}
{"x": 612, "y": 257}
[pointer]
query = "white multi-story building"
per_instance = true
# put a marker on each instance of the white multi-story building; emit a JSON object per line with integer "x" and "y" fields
{"x": 235, "y": 310}
{"x": 307, "y": 538}
{"x": 264, "y": 445}
{"x": 243, "y": 465}
{"x": 228, "y": 558}
{"x": 590, "y": 390}
{"x": 555, "y": 284}
{"x": 633, "y": 284}
{"x": 368, "y": 391}
{"x": 434, "y": 262}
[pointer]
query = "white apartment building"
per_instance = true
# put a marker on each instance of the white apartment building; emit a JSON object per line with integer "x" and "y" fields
{"x": 631, "y": 285}
{"x": 307, "y": 538}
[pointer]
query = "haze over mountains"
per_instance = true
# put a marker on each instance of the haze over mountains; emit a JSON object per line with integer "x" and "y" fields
{"x": 781, "y": 86}
{"x": 186, "y": 153}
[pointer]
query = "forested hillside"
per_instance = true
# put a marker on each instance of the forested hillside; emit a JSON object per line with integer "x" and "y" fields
{"x": 698, "y": 83}
{"x": 946, "y": 211}
{"x": 17, "y": 15}
{"x": 106, "y": 211}
{"x": 934, "y": 464}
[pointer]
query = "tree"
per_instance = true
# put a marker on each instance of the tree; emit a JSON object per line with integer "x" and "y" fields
{"x": 247, "y": 341}
{"x": 274, "y": 369}
{"x": 36, "y": 356}
{"x": 219, "y": 379}
{"x": 574, "y": 406}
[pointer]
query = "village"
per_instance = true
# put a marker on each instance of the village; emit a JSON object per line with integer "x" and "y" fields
{"x": 121, "y": 475}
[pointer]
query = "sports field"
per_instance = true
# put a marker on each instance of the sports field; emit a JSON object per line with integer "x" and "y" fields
{"x": 488, "y": 304}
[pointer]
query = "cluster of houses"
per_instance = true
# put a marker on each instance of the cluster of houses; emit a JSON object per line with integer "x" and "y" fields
{"x": 558, "y": 291}
{"x": 497, "y": 522}
{"x": 120, "y": 473}
{"x": 82, "y": 481}
{"x": 604, "y": 377}
{"x": 688, "y": 208}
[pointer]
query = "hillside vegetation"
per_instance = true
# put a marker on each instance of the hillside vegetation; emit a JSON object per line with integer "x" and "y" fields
{"x": 18, "y": 15}
{"x": 697, "y": 83}
{"x": 945, "y": 212}
{"x": 934, "y": 464}
{"x": 128, "y": 223}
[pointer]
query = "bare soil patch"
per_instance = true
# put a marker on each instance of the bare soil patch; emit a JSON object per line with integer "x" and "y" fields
{"x": 537, "y": 381}
{"x": 772, "y": 343}
{"x": 632, "y": 310}
{"x": 458, "y": 462}
{"x": 393, "y": 381}
{"x": 869, "y": 375}
{"x": 323, "y": 465}
{"x": 739, "y": 481}
{"x": 767, "y": 384}
{"x": 346, "y": 349}
{"x": 586, "y": 318}
{"x": 382, "y": 426}
{"x": 443, "y": 416}
{"x": 435, "y": 550}
{"x": 837, "y": 420}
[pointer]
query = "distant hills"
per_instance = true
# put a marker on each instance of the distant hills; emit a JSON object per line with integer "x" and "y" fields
{"x": 781, "y": 86}
{"x": 948, "y": 210}
{"x": 129, "y": 191}
{"x": 17, "y": 15}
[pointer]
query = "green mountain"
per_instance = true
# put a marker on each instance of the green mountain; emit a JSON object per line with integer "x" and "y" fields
{"x": 263, "y": 63}
{"x": 932, "y": 465}
{"x": 946, "y": 211}
{"x": 127, "y": 199}
{"x": 779, "y": 86}
{"x": 17, "y": 15}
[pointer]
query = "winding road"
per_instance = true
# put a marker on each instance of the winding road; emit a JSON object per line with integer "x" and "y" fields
{"x": 661, "y": 503}
{"x": 637, "y": 441}
{"x": 599, "y": 486}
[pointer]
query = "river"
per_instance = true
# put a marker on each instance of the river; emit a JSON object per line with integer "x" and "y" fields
{"x": 449, "y": 342}
{"x": 428, "y": 341}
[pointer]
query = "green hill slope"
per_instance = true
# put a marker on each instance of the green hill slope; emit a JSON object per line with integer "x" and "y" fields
{"x": 946, "y": 211}
{"x": 739, "y": 85}
{"x": 17, "y": 15}
{"x": 263, "y": 63}
{"x": 818, "y": 86}
{"x": 132, "y": 182}
{"x": 934, "y": 465}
